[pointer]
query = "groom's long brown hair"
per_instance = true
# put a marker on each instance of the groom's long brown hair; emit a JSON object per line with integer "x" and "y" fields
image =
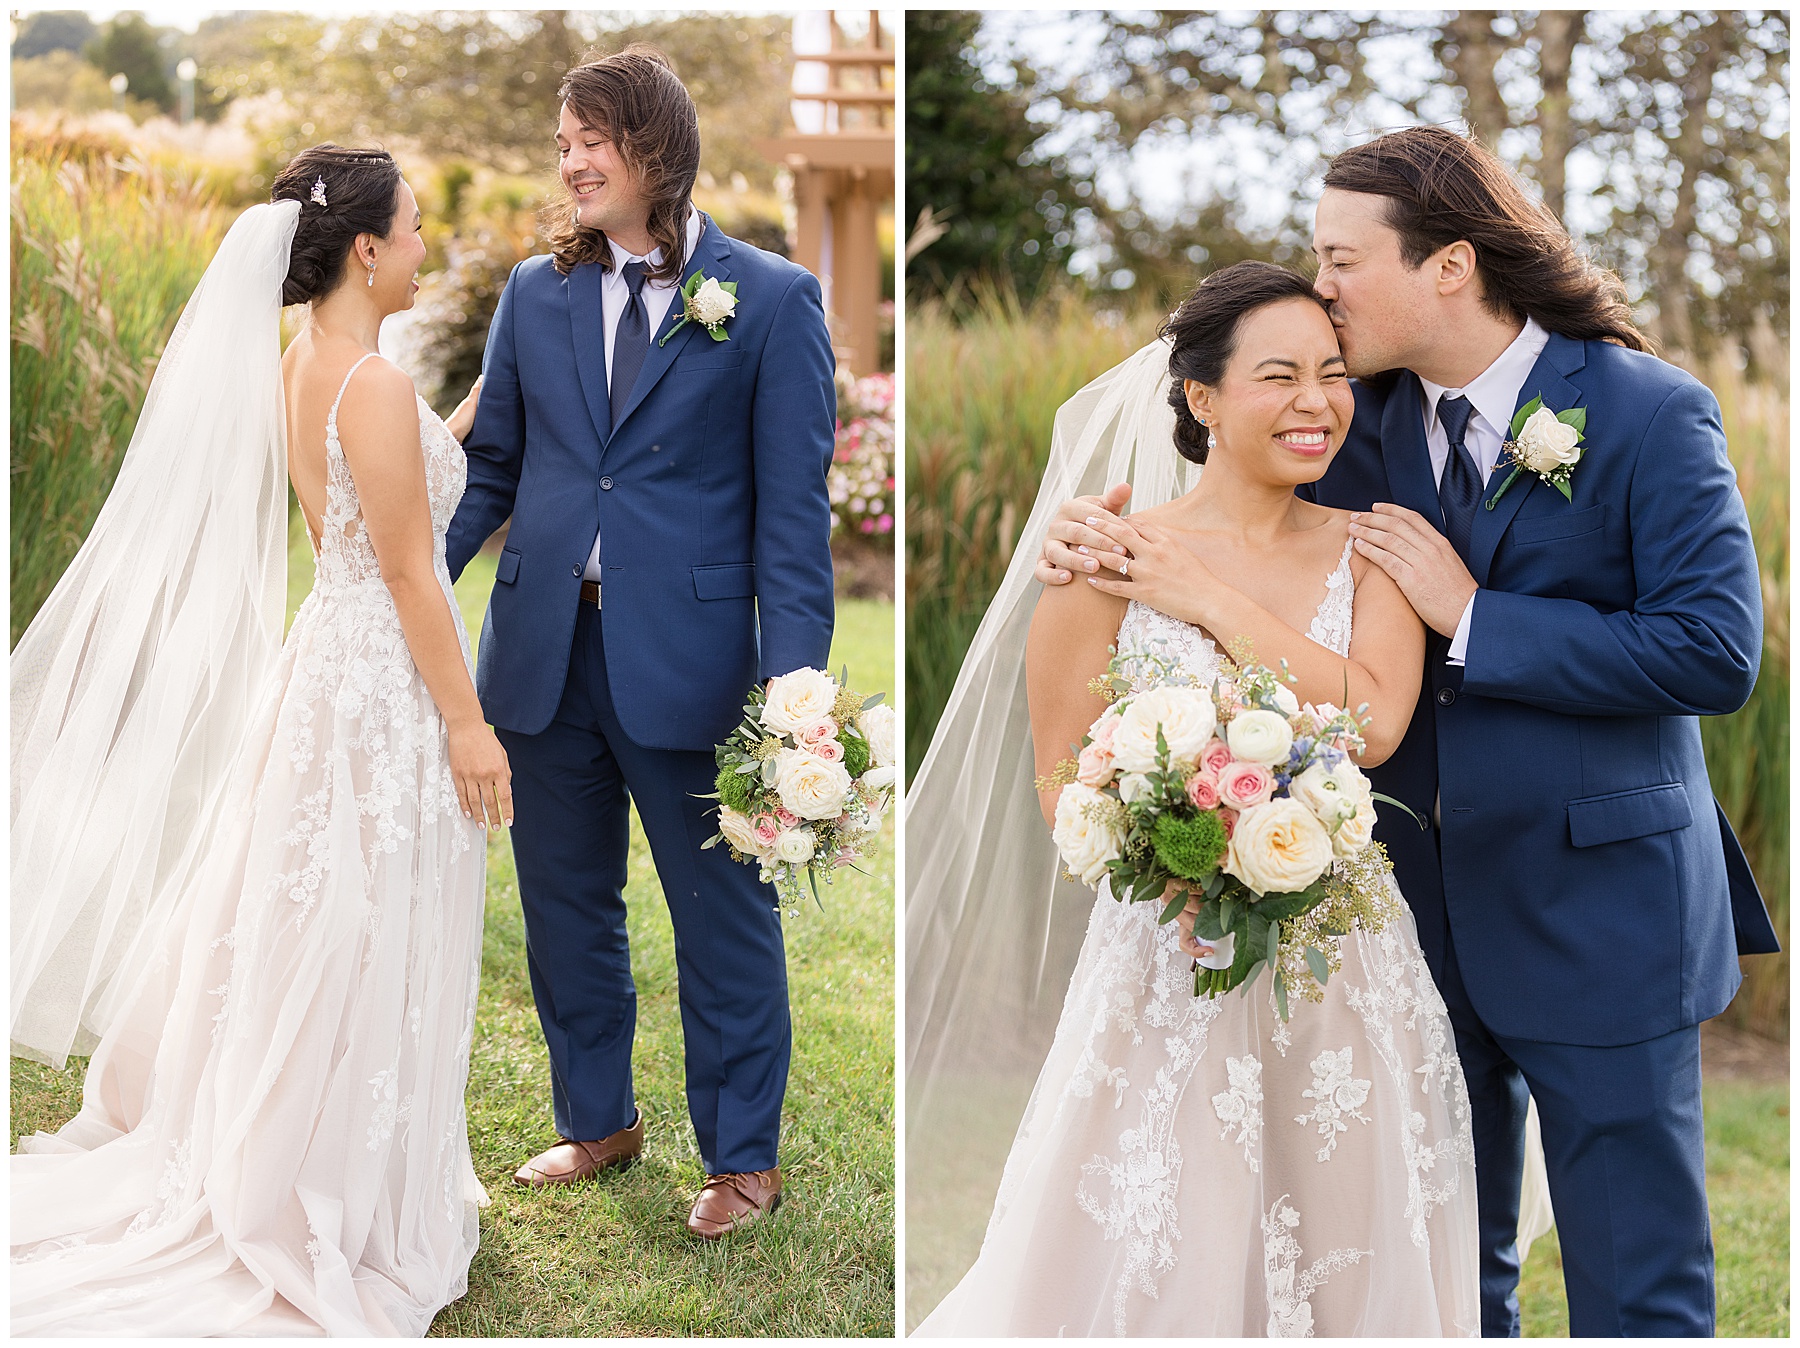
{"x": 1442, "y": 187}
{"x": 651, "y": 120}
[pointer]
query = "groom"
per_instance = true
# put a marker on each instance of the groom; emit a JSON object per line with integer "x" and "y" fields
{"x": 668, "y": 549}
{"x": 1580, "y": 898}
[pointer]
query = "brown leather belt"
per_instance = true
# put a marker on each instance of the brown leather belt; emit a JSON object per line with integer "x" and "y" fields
{"x": 590, "y": 592}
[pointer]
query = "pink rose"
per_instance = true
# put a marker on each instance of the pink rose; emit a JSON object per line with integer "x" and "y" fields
{"x": 1203, "y": 791}
{"x": 1245, "y": 784}
{"x": 1094, "y": 766}
{"x": 1103, "y": 730}
{"x": 787, "y": 820}
{"x": 814, "y": 733}
{"x": 768, "y": 829}
{"x": 1229, "y": 819}
{"x": 1215, "y": 758}
{"x": 831, "y": 751}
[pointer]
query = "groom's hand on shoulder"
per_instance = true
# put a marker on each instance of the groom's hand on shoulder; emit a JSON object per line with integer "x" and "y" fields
{"x": 1423, "y": 564}
{"x": 1071, "y": 529}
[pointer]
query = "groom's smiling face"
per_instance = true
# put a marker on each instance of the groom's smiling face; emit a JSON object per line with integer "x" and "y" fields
{"x": 608, "y": 194}
{"x": 1383, "y": 310}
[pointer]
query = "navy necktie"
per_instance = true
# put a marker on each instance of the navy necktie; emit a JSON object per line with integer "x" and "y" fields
{"x": 1459, "y": 489}
{"x": 631, "y": 340}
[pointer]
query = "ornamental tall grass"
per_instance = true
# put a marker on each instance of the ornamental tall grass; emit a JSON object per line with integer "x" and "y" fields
{"x": 105, "y": 250}
{"x": 981, "y": 398}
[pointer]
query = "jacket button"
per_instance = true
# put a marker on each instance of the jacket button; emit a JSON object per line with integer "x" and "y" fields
{"x": 1446, "y": 696}
{"x": 575, "y": 570}
{"x": 656, "y": 449}
{"x": 606, "y": 484}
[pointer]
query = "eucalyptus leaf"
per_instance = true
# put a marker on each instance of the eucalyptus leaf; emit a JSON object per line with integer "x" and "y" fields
{"x": 1315, "y": 960}
{"x": 1281, "y": 1002}
{"x": 1175, "y": 905}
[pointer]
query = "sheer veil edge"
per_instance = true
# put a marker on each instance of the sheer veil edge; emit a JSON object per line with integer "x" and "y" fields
{"x": 134, "y": 685}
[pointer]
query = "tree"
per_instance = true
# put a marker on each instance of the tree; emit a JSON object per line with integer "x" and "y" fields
{"x": 52, "y": 30}
{"x": 1660, "y": 137}
{"x": 130, "y": 47}
{"x": 1005, "y": 213}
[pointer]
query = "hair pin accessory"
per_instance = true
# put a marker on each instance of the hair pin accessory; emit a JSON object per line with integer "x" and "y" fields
{"x": 318, "y": 192}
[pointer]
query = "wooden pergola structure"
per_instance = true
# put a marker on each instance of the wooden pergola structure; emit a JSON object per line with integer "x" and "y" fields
{"x": 843, "y": 175}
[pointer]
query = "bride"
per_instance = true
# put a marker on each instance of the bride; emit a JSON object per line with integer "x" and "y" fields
{"x": 248, "y": 876}
{"x": 1188, "y": 1166}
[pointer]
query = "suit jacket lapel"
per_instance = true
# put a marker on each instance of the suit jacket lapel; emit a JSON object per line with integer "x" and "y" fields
{"x": 712, "y": 253}
{"x": 587, "y": 329}
{"x": 1560, "y": 357}
{"x": 1404, "y": 452}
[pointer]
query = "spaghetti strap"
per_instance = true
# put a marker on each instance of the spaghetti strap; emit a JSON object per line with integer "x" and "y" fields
{"x": 331, "y": 418}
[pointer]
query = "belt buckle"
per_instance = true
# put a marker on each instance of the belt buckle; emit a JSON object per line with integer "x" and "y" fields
{"x": 596, "y": 585}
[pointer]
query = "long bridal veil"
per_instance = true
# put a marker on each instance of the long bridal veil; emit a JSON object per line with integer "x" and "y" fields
{"x": 992, "y": 932}
{"x": 133, "y": 685}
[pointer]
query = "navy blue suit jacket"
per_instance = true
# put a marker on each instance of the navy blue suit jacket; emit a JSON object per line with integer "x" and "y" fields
{"x": 1597, "y": 894}
{"x": 709, "y": 494}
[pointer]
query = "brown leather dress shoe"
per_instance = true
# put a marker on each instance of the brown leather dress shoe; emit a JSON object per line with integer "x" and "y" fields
{"x": 569, "y": 1162}
{"x": 732, "y": 1201}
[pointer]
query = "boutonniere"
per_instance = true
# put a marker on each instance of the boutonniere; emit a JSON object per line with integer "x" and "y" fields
{"x": 1546, "y": 443}
{"x": 709, "y": 303}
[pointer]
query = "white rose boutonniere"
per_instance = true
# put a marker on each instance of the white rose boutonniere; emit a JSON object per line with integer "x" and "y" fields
{"x": 707, "y": 301}
{"x": 1546, "y": 443}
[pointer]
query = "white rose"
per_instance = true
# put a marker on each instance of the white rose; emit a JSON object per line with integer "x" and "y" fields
{"x": 1546, "y": 443}
{"x": 1083, "y": 835}
{"x": 737, "y": 831}
{"x": 877, "y": 726}
{"x": 713, "y": 303}
{"x": 795, "y": 846}
{"x": 879, "y": 778}
{"x": 1133, "y": 787}
{"x": 1260, "y": 737}
{"x": 1187, "y": 719}
{"x": 1331, "y": 793}
{"x": 797, "y": 698}
{"x": 1286, "y": 701}
{"x": 1356, "y": 832}
{"x": 1278, "y": 848}
{"x": 809, "y": 786}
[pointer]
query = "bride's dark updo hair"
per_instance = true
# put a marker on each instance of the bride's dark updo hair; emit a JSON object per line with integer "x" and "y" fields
{"x": 362, "y": 189}
{"x": 1203, "y": 334}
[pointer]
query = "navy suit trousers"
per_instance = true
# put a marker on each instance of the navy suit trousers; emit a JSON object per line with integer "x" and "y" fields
{"x": 1624, "y": 1147}
{"x": 573, "y": 784}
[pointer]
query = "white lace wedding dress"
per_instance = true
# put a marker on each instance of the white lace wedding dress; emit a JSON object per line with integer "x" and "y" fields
{"x": 1190, "y": 1166}
{"x": 272, "y": 1138}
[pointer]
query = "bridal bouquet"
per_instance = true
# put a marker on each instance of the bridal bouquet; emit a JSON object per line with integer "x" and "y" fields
{"x": 1241, "y": 796}
{"x": 805, "y": 779}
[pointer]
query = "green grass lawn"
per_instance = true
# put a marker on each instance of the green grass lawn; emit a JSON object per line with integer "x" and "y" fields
{"x": 611, "y": 1257}
{"x": 1747, "y": 1193}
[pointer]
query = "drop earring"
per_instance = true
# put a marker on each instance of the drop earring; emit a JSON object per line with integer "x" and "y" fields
{"x": 371, "y": 267}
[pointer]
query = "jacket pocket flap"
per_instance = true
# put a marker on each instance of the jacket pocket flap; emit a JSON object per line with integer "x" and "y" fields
{"x": 1628, "y": 814}
{"x": 1562, "y": 524}
{"x": 736, "y": 581}
{"x": 508, "y": 569}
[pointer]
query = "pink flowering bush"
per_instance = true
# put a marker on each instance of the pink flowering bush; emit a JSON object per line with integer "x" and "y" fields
{"x": 862, "y": 466}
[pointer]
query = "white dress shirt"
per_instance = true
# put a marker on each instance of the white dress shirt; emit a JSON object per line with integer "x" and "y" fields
{"x": 657, "y": 297}
{"x": 1494, "y": 395}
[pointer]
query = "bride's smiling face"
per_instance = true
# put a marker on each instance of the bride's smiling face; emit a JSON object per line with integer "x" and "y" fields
{"x": 1284, "y": 402}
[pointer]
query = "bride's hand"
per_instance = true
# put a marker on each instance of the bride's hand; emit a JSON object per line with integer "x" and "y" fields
{"x": 1058, "y": 562}
{"x": 483, "y": 776}
{"x": 1184, "y": 927}
{"x": 462, "y": 420}
{"x": 1145, "y": 563}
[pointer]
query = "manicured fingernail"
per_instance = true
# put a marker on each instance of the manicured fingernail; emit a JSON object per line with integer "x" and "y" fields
{"x": 1120, "y": 551}
{"x": 1082, "y": 550}
{"x": 1093, "y": 565}
{"x": 1093, "y": 519}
